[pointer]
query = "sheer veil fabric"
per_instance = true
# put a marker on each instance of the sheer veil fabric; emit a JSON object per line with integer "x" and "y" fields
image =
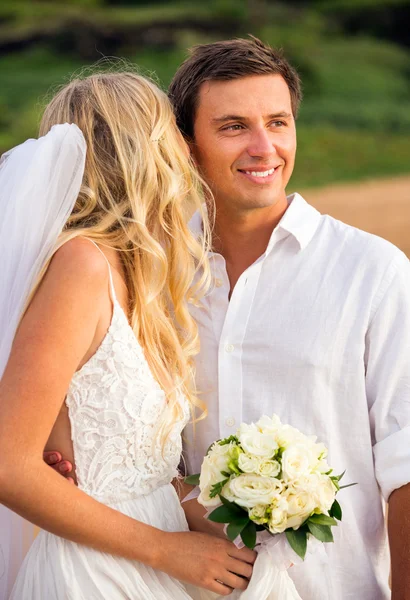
{"x": 39, "y": 184}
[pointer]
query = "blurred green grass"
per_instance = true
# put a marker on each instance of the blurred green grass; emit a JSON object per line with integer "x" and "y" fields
{"x": 355, "y": 117}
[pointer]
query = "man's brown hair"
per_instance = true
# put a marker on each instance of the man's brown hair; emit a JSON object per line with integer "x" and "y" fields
{"x": 225, "y": 61}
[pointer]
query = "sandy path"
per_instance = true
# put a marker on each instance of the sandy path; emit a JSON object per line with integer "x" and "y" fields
{"x": 378, "y": 206}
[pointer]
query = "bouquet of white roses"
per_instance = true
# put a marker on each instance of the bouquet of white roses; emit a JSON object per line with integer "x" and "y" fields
{"x": 271, "y": 477}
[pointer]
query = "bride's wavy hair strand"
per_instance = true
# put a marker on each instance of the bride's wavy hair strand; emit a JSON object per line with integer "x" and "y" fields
{"x": 139, "y": 190}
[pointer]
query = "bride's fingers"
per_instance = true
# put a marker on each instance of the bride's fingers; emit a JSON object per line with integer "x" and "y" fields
{"x": 245, "y": 554}
{"x": 221, "y": 589}
{"x": 240, "y": 568}
{"x": 234, "y": 581}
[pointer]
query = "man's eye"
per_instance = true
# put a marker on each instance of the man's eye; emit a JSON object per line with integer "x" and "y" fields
{"x": 235, "y": 127}
{"x": 278, "y": 123}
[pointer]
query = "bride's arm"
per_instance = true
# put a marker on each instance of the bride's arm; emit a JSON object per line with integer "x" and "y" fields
{"x": 53, "y": 338}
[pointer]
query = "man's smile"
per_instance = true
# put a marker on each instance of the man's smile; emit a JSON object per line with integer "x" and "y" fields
{"x": 259, "y": 175}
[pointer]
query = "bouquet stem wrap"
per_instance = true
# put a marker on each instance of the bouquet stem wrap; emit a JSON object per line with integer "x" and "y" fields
{"x": 270, "y": 579}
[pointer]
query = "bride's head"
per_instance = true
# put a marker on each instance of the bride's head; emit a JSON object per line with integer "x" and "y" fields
{"x": 139, "y": 190}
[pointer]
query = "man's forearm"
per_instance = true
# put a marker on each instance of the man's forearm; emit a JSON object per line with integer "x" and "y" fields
{"x": 195, "y": 512}
{"x": 399, "y": 537}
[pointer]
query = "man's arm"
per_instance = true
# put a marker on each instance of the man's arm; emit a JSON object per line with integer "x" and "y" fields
{"x": 387, "y": 361}
{"x": 195, "y": 512}
{"x": 399, "y": 537}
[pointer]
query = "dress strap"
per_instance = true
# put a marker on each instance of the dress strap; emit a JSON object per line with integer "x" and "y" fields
{"x": 112, "y": 290}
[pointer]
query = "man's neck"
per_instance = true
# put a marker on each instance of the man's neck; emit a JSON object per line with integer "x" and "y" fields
{"x": 242, "y": 237}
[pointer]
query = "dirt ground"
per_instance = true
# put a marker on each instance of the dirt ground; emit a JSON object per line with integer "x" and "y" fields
{"x": 378, "y": 206}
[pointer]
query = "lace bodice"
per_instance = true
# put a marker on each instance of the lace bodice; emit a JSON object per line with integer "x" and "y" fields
{"x": 115, "y": 406}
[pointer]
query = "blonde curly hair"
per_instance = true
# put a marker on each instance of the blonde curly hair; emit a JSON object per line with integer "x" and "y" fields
{"x": 138, "y": 192}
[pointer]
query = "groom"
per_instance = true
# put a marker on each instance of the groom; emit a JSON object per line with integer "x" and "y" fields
{"x": 308, "y": 318}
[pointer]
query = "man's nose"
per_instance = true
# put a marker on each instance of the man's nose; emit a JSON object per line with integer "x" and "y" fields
{"x": 260, "y": 144}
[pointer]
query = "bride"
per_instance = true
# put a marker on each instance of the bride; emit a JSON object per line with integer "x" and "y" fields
{"x": 97, "y": 349}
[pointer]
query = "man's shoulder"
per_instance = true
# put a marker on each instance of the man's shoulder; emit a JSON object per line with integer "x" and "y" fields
{"x": 360, "y": 243}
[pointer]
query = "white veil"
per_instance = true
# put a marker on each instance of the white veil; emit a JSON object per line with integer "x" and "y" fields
{"x": 39, "y": 183}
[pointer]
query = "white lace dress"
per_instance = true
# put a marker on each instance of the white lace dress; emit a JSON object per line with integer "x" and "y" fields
{"x": 114, "y": 407}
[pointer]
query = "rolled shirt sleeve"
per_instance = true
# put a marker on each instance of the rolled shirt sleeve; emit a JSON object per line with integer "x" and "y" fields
{"x": 387, "y": 362}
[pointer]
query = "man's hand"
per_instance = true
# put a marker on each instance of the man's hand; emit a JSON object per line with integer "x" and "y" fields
{"x": 55, "y": 460}
{"x": 399, "y": 536}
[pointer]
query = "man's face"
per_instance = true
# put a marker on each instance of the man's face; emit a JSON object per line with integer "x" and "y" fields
{"x": 245, "y": 141}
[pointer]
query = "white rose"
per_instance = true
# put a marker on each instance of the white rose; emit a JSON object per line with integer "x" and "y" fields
{"x": 248, "y": 464}
{"x": 295, "y": 462}
{"x": 318, "y": 454}
{"x": 205, "y": 499}
{"x": 269, "y": 424}
{"x": 258, "y": 514}
{"x": 269, "y": 468}
{"x": 301, "y": 504}
{"x": 309, "y": 482}
{"x": 319, "y": 487}
{"x": 323, "y": 467}
{"x": 213, "y": 464}
{"x": 278, "y": 521}
{"x": 325, "y": 494}
{"x": 255, "y": 442}
{"x": 249, "y": 490}
{"x": 287, "y": 435}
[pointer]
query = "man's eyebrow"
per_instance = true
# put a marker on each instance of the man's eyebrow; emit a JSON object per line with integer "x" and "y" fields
{"x": 224, "y": 118}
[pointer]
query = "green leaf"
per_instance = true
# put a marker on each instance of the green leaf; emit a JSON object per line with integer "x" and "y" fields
{"x": 322, "y": 520}
{"x": 234, "y": 529}
{"x": 231, "y": 438}
{"x": 234, "y": 507}
{"x": 233, "y": 467}
{"x": 298, "y": 541}
{"x": 342, "y": 487}
{"x": 248, "y": 535}
{"x": 192, "y": 479}
{"x": 322, "y": 532}
{"x": 216, "y": 489}
{"x": 336, "y": 511}
{"x": 335, "y": 482}
{"x": 339, "y": 477}
{"x": 224, "y": 514}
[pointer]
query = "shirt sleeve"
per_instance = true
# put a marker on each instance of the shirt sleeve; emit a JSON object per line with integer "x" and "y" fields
{"x": 387, "y": 363}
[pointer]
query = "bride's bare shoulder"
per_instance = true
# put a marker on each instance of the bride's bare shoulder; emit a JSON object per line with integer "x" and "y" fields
{"x": 81, "y": 259}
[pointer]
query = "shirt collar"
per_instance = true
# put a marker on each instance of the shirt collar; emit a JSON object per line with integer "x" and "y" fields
{"x": 300, "y": 220}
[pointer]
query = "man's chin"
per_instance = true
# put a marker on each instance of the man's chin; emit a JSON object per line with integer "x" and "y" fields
{"x": 268, "y": 199}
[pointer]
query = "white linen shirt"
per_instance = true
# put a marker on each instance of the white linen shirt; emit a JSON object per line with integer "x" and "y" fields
{"x": 318, "y": 331}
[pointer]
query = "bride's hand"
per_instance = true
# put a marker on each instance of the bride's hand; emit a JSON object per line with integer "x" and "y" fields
{"x": 205, "y": 561}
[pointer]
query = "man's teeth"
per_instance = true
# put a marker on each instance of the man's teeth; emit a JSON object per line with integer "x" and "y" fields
{"x": 260, "y": 173}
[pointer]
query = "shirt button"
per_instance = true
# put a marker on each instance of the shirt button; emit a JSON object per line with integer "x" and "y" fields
{"x": 229, "y": 347}
{"x": 218, "y": 283}
{"x": 230, "y": 421}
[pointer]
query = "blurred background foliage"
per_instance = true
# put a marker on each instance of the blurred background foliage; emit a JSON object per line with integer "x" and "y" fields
{"x": 353, "y": 55}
